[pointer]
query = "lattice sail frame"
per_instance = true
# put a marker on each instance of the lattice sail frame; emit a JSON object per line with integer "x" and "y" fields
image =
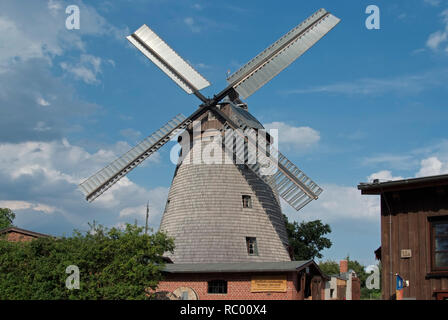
{"x": 269, "y": 63}
{"x": 98, "y": 183}
{"x": 291, "y": 183}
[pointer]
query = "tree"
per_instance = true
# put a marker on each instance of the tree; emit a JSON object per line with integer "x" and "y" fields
{"x": 113, "y": 264}
{"x": 307, "y": 238}
{"x": 359, "y": 269}
{"x": 6, "y": 218}
{"x": 329, "y": 267}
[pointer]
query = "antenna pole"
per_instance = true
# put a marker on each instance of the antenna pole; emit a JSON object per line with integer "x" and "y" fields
{"x": 147, "y": 215}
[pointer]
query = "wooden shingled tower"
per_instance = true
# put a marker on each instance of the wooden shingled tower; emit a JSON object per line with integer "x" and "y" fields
{"x": 224, "y": 206}
{"x": 214, "y": 210}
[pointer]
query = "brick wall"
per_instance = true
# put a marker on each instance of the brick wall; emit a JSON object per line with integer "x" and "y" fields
{"x": 238, "y": 286}
{"x": 343, "y": 266}
{"x": 18, "y": 237}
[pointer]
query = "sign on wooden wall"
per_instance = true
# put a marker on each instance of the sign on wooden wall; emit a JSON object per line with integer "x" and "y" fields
{"x": 406, "y": 253}
{"x": 275, "y": 283}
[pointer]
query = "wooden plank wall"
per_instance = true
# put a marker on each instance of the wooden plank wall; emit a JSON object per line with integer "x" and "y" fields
{"x": 410, "y": 230}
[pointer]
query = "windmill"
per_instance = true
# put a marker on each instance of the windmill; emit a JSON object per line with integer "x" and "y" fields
{"x": 228, "y": 212}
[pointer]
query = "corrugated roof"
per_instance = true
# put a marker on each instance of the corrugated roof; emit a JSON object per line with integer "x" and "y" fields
{"x": 237, "y": 267}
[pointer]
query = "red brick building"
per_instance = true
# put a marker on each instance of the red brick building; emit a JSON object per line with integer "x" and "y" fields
{"x": 14, "y": 234}
{"x": 290, "y": 280}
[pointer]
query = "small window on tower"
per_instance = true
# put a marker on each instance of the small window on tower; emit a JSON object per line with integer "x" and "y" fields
{"x": 247, "y": 201}
{"x": 251, "y": 243}
{"x": 167, "y": 205}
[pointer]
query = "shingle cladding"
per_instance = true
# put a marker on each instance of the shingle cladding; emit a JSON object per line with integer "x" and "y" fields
{"x": 205, "y": 215}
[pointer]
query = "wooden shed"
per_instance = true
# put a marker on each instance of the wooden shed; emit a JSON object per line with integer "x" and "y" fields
{"x": 414, "y": 235}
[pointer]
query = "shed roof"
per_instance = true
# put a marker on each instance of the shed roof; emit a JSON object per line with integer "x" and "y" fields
{"x": 23, "y": 231}
{"x": 414, "y": 183}
{"x": 282, "y": 266}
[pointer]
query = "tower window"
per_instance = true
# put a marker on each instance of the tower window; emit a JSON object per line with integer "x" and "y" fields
{"x": 247, "y": 201}
{"x": 167, "y": 205}
{"x": 251, "y": 243}
{"x": 217, "y": 287}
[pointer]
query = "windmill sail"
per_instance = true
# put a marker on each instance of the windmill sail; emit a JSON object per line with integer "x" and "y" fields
{"x": 294, "y": 186}
{"x": 282, "y": 53}
{"x": 105, "y": 178}
{"x": 180, "y": 71}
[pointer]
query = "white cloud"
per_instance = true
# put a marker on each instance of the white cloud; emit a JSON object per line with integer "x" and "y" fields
{"x": 41, "y": 126}
{"x": 40, "y": 32}
{"x": 383, "y": 176}
{"x": 130, "y": 133}
{"x": 43, "y": 177}
{"x": 296, "y": 138}
{"x": 54, "y": 6}
{"x": 41, "y": 101}
{"x": 430, "y": 160}
{"x": 22, "y": 205}
{"x": 191, "y": 23}
{"x": 86, "y": 69}
{"x": 197, "y": 6}
{"x": 392, "y": 161}
{"x": 433, "y": 3}
{"x": 157, "y": 199}
{"x": 339, "y": 202}
{"x": 431, "y": 167}
{"x": 435, "y": 39}
{"x": 202, "y": 66}
{"x": 439, "y": 37}
{"x": 405, "y": 84}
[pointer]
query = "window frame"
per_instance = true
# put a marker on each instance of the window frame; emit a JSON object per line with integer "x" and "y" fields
{"x": 433, "y": 221}
{"x": 249, "y": 202}
{"x": 254, "y": 245}
{"x": 216, "y": 283}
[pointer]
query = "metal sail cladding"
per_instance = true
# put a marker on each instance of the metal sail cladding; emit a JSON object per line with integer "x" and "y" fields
{"x": 282, "y": 53}
{"x": 98, "y": 183}
{"x": 291, "y": 183}
{"x": 164, "y": 57}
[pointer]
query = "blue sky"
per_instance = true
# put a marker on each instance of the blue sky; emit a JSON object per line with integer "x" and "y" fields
{"x": 361, "y": 104}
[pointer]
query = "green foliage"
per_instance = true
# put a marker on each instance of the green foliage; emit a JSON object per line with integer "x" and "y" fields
{"x": 6, "y": 218}
{"x": 359, "y": 269}
{"x": 113, "y": 264}
{"x": 307, "y": 238}
{"x": 370, "y": 294}
{"x": 329, "y": 267}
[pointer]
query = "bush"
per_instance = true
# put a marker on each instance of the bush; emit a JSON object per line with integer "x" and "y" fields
{"x": 113, "y": 264}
